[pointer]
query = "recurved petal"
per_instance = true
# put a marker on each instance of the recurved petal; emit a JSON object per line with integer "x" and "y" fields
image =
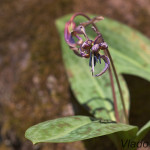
{"x": 69, "y": 27}
{"x": 107, "y": 63}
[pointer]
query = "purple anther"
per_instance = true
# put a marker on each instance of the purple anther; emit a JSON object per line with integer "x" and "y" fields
{"x": 95, "y": 60}
{"x": 99, "y": 58}
{"x": 90, "y": 61}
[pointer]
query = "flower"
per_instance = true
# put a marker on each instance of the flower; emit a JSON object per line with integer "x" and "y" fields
{"x": 88, "y": 48}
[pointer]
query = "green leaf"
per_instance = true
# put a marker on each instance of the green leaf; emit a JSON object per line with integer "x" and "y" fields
{"x": 143, "y": 131}
{"x": 75, "y": 128}
{"x": 130, "y": 51}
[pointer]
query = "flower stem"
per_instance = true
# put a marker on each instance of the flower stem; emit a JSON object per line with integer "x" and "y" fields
{"x": 113, "y": 93}
{"x": 119, "y": 87}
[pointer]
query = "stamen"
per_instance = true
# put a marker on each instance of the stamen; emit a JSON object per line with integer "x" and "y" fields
{"x": 92, "y": 64}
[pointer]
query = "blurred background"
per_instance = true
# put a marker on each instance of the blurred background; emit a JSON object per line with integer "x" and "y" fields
{"x": 33, "y": 81}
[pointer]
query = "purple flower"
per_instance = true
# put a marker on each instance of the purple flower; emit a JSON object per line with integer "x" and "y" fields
{"x": 88, "y": 48}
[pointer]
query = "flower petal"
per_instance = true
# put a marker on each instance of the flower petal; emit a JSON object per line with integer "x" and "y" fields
{"x": 107, "y": 63}
{"x": 69, "y": 27}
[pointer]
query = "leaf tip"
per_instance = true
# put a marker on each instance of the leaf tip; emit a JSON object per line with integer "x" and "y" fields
{"x": 34, "y": 142}
{"x": 28, "y": 138}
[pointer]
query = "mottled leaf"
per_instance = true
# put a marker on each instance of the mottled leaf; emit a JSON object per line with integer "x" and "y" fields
{"x": 75, "y": 128}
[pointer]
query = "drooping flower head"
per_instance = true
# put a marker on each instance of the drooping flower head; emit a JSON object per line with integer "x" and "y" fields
{"x": 88, "y": 48}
